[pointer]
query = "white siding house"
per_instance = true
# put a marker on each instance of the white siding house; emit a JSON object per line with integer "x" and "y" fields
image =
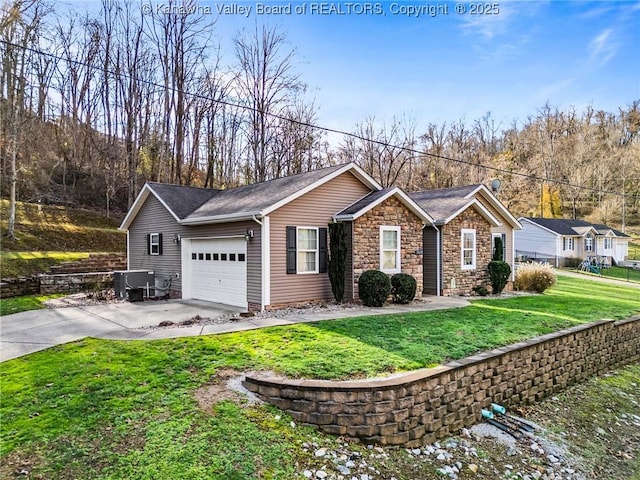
{"x": 564, "y": 242}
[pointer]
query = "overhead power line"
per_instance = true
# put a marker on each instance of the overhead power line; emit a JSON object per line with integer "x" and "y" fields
{"x": 228, "y": 103}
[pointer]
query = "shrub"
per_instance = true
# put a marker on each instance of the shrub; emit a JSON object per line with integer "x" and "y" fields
{"x": 403, "y": 288}
{"x": 499, "y": 275}
{"x": 337, "y": 259}
{"x": 498, "y": 249}
{"x": 373, "y": 288}
{"x": 535, "y": 277}
{"x": 481, "y": 290}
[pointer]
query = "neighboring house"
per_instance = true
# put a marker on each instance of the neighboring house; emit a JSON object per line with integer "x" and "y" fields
{"x": 468, "y": 220}
{"x": 566, "y": 242}
{"x": 265, "y": 245}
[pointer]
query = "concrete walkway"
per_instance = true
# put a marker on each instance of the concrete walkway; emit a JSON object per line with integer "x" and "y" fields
{"x": 28, "y": 332}
{"x": 597, "y": 278}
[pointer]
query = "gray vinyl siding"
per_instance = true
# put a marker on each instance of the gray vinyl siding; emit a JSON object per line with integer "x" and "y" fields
{"x": 430, "y": 260}
{"x": 314, "y": 209}
{"x": 154, "y": 218}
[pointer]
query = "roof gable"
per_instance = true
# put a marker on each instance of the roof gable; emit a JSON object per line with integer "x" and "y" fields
{"x": 195, "y": 206}
{"x": 179, "y": 200}
{"x": 488, "y": 196}
{"x": 375, "y": 198}
{"x": 444, "y": 204}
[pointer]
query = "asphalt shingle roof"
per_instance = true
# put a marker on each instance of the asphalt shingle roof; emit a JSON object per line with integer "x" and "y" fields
{"x": 180, "y": 199}
{"x": 565, "y": 226}
{"x": 365, "y": 202}
{"x": 443, "y": 202}
{"x": 199, "y": 203}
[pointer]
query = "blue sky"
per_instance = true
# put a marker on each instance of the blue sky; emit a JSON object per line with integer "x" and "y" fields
{"x": 454, "y": 66}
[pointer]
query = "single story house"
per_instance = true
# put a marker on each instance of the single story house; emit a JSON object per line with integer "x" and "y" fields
{"x": 566, "y": 242}
{"x": 264, "y": 245}
{"x": 469, "y": 220}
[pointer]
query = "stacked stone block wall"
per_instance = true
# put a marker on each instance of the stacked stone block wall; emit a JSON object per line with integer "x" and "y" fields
{"x": 456, "y": 281}
{"x": 366, "y": 240}
{"x": 107, "y": 262}
{"x": 16, "y": 287}
{"x": 75, "y": 282}
{"x": 422, "y": 406}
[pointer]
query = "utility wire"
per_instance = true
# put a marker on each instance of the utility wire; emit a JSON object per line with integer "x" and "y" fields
{"x": 227, "y": 103}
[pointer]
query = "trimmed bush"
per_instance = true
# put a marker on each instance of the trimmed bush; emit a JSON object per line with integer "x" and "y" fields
{"x": 499, "y": 275}
{"x": 374, "y": 288}
{"x": 535, "y": 277}
{"x": 481, "y": 290}
{"x": 403, "y": 288}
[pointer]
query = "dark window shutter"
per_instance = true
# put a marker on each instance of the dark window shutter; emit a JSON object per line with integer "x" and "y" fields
{"x": 322, "y": 251}
{"x": 159, "y": 244}
{"x": 291, "y": 250}
{"x": 148, "y": 244}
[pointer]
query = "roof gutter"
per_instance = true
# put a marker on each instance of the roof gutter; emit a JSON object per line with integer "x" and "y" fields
{"x": 234, "y": 217}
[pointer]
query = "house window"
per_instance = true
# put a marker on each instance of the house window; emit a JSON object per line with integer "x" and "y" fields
{"x": 499, "y": 242}
{"x": 567, "y": 243}
{"x": 588, "y": 243}
{"x": 468, "y": 249}
{"x": 608, "y": 243}
{"x": 154, "y": 244}
{"x": 390, "y": 249}
{"x": 307, "y": 248}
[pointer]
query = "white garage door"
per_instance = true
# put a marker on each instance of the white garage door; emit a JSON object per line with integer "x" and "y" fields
{"x": 218, "y": 271}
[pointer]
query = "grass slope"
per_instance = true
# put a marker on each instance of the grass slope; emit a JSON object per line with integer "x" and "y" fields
{"x": 111, "y": 410}
{"x": 44, "y": 228}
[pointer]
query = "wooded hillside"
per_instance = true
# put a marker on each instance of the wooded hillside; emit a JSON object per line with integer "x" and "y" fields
{"x": 91, "y": 107}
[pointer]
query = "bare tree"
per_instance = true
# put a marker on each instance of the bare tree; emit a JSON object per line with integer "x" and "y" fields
{"x": 266, "y": 84}
{"x": 20, "y": 23}
{"x": 387, "y": 153}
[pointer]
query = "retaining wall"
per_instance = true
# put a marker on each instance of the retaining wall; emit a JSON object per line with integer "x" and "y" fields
{"x": 75, "y": 282}
{"x": 16, "y": 287}
{"x": 419, "y": 407}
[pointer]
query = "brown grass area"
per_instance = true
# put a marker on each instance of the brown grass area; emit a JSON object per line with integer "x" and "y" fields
{"x": 55, "y": 228}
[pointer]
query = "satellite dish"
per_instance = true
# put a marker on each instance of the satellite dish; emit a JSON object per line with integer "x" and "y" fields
{"x": 495, "y": 186}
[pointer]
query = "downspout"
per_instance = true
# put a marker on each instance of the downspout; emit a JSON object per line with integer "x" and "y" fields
{"x": 265, "y": 254}
{"x": 438, "y": 266}
{"x": 513, "y": 255}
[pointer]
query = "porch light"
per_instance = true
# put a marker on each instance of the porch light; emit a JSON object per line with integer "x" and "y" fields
{"x": 249, "y": 235}
{"x": 176, "y": 239}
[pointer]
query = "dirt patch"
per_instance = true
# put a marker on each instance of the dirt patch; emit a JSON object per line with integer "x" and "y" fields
{"x": 225, "y": 385}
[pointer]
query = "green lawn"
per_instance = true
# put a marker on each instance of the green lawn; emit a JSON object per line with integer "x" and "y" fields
{"x": 114, "y": 409}
{"x": 24, "y": 303}
{"x": 618, "y": 273}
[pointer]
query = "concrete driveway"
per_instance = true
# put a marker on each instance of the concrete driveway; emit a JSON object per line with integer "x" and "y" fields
{"x": 28, "y": 332}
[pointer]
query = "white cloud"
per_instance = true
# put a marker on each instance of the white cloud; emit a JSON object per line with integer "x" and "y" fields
{"x": 603, "y": 47}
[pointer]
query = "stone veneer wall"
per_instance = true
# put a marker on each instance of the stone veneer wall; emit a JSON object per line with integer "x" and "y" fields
{"x": 419, "y": 407}
{"x": 366, "y": 240}
{"x": 465, "y": 280}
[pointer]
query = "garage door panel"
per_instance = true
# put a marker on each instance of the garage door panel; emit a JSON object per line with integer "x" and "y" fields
{"x": 218, "y": 271}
